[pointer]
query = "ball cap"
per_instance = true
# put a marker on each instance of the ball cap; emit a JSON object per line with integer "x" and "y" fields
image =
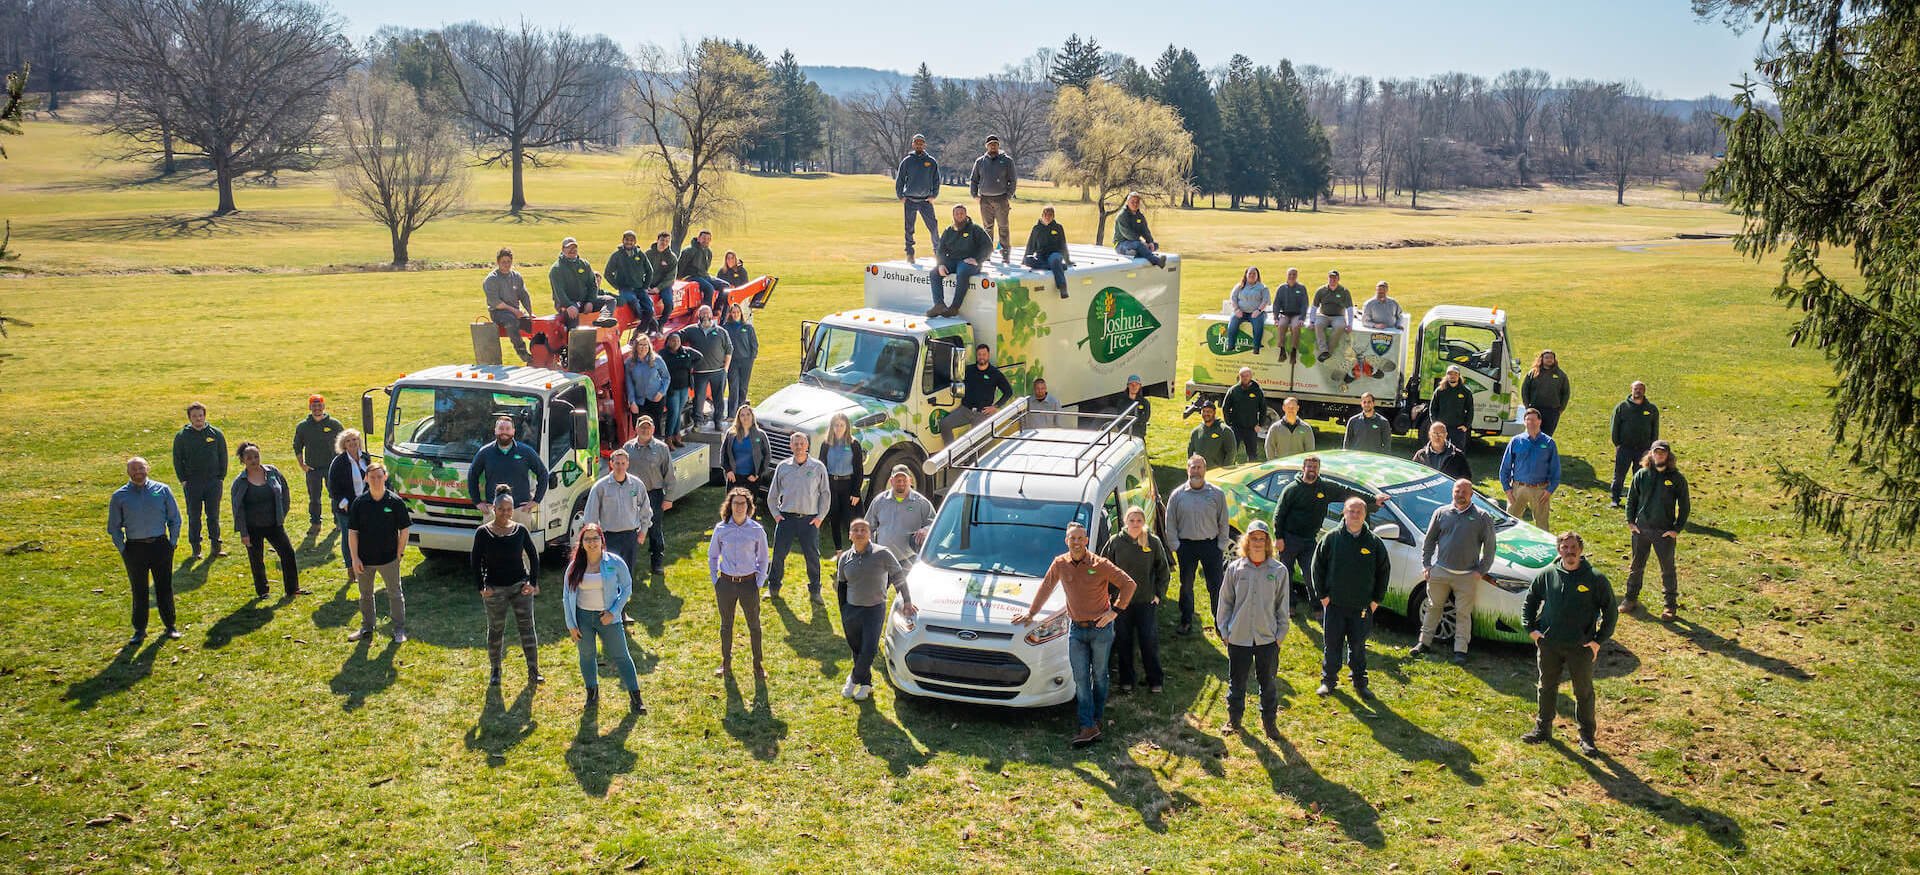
{"x": 1453, "y": 369}
{"x": 316, "y": 397}
{"x": 920, "y": 137}
{"x": 568, "y": 242}
{"x": 1661, "y": 445}
{"x": 1133, "y": 378}
{"x": 1207, "y": 404}
{"x": 1259, "y": 526}
{"x": 993, "y": 138}
{"x": 901, "y": 469}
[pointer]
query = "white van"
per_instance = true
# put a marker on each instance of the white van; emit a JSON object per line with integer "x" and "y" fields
{"x": 1005, "y": 518}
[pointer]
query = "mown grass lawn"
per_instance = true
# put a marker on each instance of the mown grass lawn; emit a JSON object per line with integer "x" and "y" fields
{"x": 1772, "y": 730}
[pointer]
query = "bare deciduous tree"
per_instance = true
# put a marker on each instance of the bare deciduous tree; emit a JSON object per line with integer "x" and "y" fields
{"x": 400, "y": 166}
{"x": 1519, "y": 93}
{"x": 882, "y": 124}
{"x": 1015, "y": 108}
{"x": 699, "y": 104}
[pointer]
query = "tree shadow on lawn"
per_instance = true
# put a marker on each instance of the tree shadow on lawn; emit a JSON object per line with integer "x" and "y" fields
{"x": 1624, "y": 786}
{"x": 179, "y": 226}
{"x": 529, "y": 216}
{"x": 757, "y": 729}
{"x": 1712, "y": 642}
{"x": 595, "y": 759}
{"x": 131, "y": 665}
{"x": 1292, "y": 776}
{"x": 499, "y": 727}
{"x": 362, "y": 675}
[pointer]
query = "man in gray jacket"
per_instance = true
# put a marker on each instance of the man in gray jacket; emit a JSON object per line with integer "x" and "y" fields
{"x": 993, "y": 182}
{"x": 1367, "y": 430}
{"x": 508, "y": 304}
{"x": 899, "y": 514}
{"x": 1456, "y": 556}
{"x": 1198, "y": 529}
{"x": 652, "y": 462}
{"x": 916, "y": 183}
{"x": 618, "y": 503}
{"x": 798, "y": 498}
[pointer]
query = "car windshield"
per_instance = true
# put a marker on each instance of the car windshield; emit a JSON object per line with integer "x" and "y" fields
{"x": 451, "y": 423}
{"x": 1001, "y": 535}
{"x": 863, "y": 362}
{"x": 1418, "y": 499}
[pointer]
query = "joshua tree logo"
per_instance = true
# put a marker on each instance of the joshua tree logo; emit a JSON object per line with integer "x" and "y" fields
{"x": 1116, "y": 323}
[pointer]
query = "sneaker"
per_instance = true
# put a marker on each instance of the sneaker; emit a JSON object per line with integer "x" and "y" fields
{"x": 724, "y": 670}
{"x": 1630, "y": 606}
{"x": 1325, "y": 355}
{"x": 658, "y": 569}
{"x": 1087, "y": 735}
{"x": 936, "y": 311}
{"x": 1459, "y": 658}
{"x": 846, "y": 689}
{"x": 1669, "y": 615}
{"x": 195, "y": 554}
{"x": 1365, "y": 693}
{"x": 593, "y": 697}
{"x": 535, "y": 677}
{"x": 1232, "y": 727}
{"x": 1156, "y": 689}
{"x": 816, "y": 598}
{"x": 1536, "y": 735}
{"x": 1125, "y": 689}
{"x": 1324, "y": 690}
{"x": 1185, "y": 629}
{"x": 1616, "y": 504}
{"x": 863, "y": 692}
{"x": 219, "y": 551}
{"x": 358, "y": 634}
{"x": 1588, "y": 748}
{"x": 767, "y": 595}
{"x": 1419, "y": 650}
{"x": 136, "y": 639}
{"x": 493, "y": 677}
{"x": 1271, "y": 728}
{"x": 400, "y": 636}
{"x": 171, "y": 633}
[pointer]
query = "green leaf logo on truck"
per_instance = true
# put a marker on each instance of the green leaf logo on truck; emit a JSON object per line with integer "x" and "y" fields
{"x": 1116, "y": 323}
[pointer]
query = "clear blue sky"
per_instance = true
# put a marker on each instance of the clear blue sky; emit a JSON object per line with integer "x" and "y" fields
{"x": 1657, "y": 42}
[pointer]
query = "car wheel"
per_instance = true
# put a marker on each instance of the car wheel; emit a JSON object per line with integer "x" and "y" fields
{"x": 1417, "y": 611}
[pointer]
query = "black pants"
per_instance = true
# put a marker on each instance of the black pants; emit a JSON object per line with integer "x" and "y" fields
{"x": 1249, "y": 442}
{"x": 515, "y": 597}
{"x": 1662, "y": 548}
{"x": 203, "y": 496}
{"x": 656, "y": 411}
{"x": 861, "y": 624}
{"x": 1207, "y": 557}
{"x": 1549, "y": 419}
{"x": 1138, "y": 626}
{"x": 1625, "y": 459}
{"x": 1346, "y": 636}
{"x": 1577, "y": 660}
{"x": 657, "y": 533}
{"x": 317, "y": 495}
{"x": 1459, "y": 435}
{"x": 842, "y": 512}
{"x": 1295, "y": 553}
{"x": 1263, "y": 659}
{"x": 151, "y": 558}
{"x": 743, "y": 593}
{"x": 258, "y": 537}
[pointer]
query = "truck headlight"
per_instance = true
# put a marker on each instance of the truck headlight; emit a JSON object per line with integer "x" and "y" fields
{"x": 871, "y": 419}
{"x": 1048, "y": 631}
{"x": 901, "y": 622}
{"x": 1510, "y": 583}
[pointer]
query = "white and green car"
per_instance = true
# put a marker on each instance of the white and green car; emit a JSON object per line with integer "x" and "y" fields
{"x": 1415, "y": 491}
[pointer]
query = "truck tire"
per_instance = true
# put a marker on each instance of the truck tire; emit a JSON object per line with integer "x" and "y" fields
{"x": 561, "y": 549}
{"x": 582, "y": 345}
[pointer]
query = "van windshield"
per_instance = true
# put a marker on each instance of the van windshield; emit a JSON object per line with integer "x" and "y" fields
{"x": 863, "y": 362}
{"x": 451, "y": 423}
{"x": 1001, "y": 535}
{"x": 1418, "y": 499}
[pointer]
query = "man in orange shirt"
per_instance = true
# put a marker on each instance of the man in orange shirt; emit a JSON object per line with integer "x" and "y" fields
{"x": 1097, "y": 591}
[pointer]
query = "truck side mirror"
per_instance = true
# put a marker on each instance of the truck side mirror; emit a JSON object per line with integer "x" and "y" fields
{"x": 1387, "y": 531}
{"x": 366, "y": 418}
{"x": 580, "y": 423}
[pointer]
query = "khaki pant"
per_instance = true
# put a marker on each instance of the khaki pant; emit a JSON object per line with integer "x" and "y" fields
{"x": 1464, "y": 588}
{"x": 396, "y": 597}
{"x": 1526, "y": 498}
{"x": 995, "y": 212}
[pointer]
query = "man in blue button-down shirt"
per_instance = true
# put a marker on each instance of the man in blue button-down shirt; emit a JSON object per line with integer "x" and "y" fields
{"x": 144, "y": 522}
{"x": 1530, "y": 472}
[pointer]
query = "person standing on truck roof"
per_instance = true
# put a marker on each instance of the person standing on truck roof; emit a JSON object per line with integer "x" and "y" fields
{"x": 963, "y": 248}
{"x": 1248, "y": 302}
{"x": 631, "y": 275}
{"x": 260, "y": 497}
{"x": 1199, "y": 527}
{"x": 993, "y": 181}
{"x": 1097, "y": 592}
{"x": 1136, "y": 397}
{"x": 313, "y": 438}
{"x": 1368, "y": 431}
{"x": 1211, "y": 439}
{"x": 1301, "y": 507}
{"x": 983, "y": 390}
{"x": 737, "y": 562}
{"x": 510, "y": 462}
{"x": 861, "y": 575}
{"x": 662, "y": 265}
{"x": 618, "y": 503}
{"x": 144, "y": 522}
{"x": 508, "y": 304}
{"x": 1043, "y": 410}
{"x": 647, "y": 379}
{"x": 846, "y": 462}
{"x": 799, "y": 497}
{"x": 1142, "y": 556}
{"x": 346, "y": 479}
{"x": 200, "y": 461}
{"x": 746, "y": 348}
{"x": 1636, "y": 425}
{"x": 1452, "y": 406}
{"x": 1455, "y": 556}
{"x": 1530, "y": 472}
{"x": 506, "y": 569}
{"x": 652, "y": 462}
{"x": 1291, "y": 435}
{"x": 901, "y": 515}
{"x": 709, "y": 377}
{"x": 1290, "y": 314}
{"x": 1443, "y": 455}
{"x": 1255, "y": 603}
{"x": 1657, "y": 508}
{"x": 1546, "y": 389}
{"x": 732, "y": 270}
{"x": 1244, "y": 407}
{"x": 1380, "y": 311}
{"x": 1332, "y": 312}
{"x": 1131, "y": 236}
{"x": 1350, "y": 573}
{"x": 696, "y": 262}
{"x": 1047, "y": 250}
{"x": 377, "y": 524}
{"x": 1569, "y": 612}
{"x": 576, "y": 288}
{"x": 681, "y": 359}
{"x": 916, "y": 183}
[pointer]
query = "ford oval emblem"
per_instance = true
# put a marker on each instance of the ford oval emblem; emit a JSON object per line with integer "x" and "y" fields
{"x": 966, "y": 634}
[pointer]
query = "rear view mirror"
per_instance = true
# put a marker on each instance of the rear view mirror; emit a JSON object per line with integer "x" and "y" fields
{"x": 1387, "y": 531}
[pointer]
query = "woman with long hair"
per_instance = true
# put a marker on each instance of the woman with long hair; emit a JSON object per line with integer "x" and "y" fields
{"x": 743, "y": 450}
{"x": 734, "y": 271}
{"x": 259, "y": 495}
{"x": 737, "y": 560}
{"x": 746, "y": 348}
{"x": 1546, "y": 389}
{"x": 1252, "y": 620}
{"x": 681, "y": 360}
{"x": 846, "y": 463}
{"x": 506, "y": 568}
{"x": 1248, "y": 305}
{"x": 346, "y": 479}
{"x": 598, "y": 585}
{"x": 1657, "y": 506}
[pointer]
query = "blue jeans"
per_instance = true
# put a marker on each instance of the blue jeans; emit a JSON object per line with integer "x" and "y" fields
{"x": 1346, "y": 635}
{"x": 340, "y": 522}
{"x": 792, "y": 528}
{"x": 710, "y": 289}
{"x": 922, "y": 208}
{"x": 625, "y": 545}
{"x": 738, "y": 374}
{"x": 1137, "y": 249}
{"x": 613, "y": 642}
{"x": 639, "y": 303}
{"x": 711, "y": 385}
{"x": 1088, "y": 648}
{"x": 676, "y": 401}
{"x": 962, "y": 273}
{"x": 1056, "y": 262}
{"x": 1257, "y": 320}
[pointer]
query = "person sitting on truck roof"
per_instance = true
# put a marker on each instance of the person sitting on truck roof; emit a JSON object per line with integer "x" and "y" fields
{"x": 1291, "y": 435}
{"x": 984, "y": 390}
{"x": 663, "y": 264}
{"x": 1381, "y": 311}
{"x": 631, "y": 275}
{"x": 963, "y": 248}
{"x": 1248, "y": 303}
{"x": 732, "y": 270}
{"x": 1368, "y": 431}
{"x": 1290, "y": 314}
{"x": 1043, "y": 410}
{"x": 916, "y": 183}
{"x": 510, "y": 462}
{"x": 1047, "y": 249}
{"x": 695, "y": 262}
{"x": 1136, "y": 396}
{"x": 1332, "y": 311}
{"x": 1244, "y": 407}
{"x": 1452, "y": 405}
{"x": 1443, "y": 455}
{"x": 1131, "y": 236}
{"x": 508, "y": 304}
{"x": 576, "y": 288}
{"x": 1211, "y": 439}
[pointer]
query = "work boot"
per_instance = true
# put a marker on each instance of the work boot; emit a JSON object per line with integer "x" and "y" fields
{"x": 593, "y": 697}
{"x": 1630, "y": 606}
{"x": 634, "y": 704}
{"x": 1272, "y": 728}
{"x": 936, "y": 311}
{"x": 1537, "y": 735}
{"x": 493, "y": 676}
{"x": 533, "y": 668}
{"x": 1587, "y": 747}
{"x": 1087, "y": 735}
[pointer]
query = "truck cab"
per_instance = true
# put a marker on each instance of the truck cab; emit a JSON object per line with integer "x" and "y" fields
{"x": 1475, "y": 339}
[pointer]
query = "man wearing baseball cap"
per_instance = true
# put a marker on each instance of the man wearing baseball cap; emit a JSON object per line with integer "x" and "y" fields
{"x": 916, "y": 183}
{"x": 1137, "y": 397}
{"x": 313, "y": 448}
{"x": 576, "y": 288}
{"x": 993, "y": 182}
{"x": 1452, "y": 405}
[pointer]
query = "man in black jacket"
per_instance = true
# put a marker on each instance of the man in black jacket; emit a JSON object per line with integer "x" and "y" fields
{"x": 964, "y": 246}
{"x": 1245, "y": 405}
{"x": 1636, "y": 425}
{"x": 1442, "y": 455}
{"x": 1350, "y": 571}
{"x": 663, "y": 264}
{"x": 1047, "y": 249}
{"x": 916, "y": 183}
{"x": 313, "y": 441}
{"x": 993, "y": 182}
{"x": 630, "y": 272}
{"x": 200, "y": 461}
{"x": 984, "y": 390}
{"x": 1569, "y": 613}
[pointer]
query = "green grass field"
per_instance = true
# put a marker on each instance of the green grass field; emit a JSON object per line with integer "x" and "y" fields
{"x": 1772, "y": 730}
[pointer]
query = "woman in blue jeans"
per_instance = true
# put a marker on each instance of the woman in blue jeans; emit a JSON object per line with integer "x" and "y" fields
{"x": 598, "y": 585}
{"x": 681, "y": 360}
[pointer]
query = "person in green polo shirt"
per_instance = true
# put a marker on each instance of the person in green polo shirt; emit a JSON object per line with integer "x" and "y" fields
{"x": 1569, "y": 613}
{"x": 1211, "y": 439}
{"x": 1350, "y": 571}
{"x": 1301, "y": 508}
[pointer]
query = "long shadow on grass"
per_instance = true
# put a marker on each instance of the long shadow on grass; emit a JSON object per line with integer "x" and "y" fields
{"x": 364, "y": 674}
{"x": 1410, "y": 742}
{"x": 1712, "y": 642}
{"x": 1623, "y": 785}
{"x": 1513, "y": 669}
{"x": 1132, "y": 785}
{"x": 594, "y": 758}
{"x": 248, "y": 618}
{"x": 887, "y": 740}
{"x": 757, "y": 729}
{"x": 191, "y": 574}
{"x": 499, "y": 727}
{"x": 1294, "y": 777}
{"x": 816, "y": 637}
{"x": 179, "y": 226}
{"x": 130, "y": 666}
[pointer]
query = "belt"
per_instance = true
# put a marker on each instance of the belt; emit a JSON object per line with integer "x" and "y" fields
{"x": 1534, "y": 485}
{"x": 147, "y": 540}
{"x": 840, "y": 477}
{"x": 1085, "y": 624}
{"x": 739, "y": 578}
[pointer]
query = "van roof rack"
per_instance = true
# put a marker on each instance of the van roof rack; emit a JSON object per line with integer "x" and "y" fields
{"x": 1009, "y": 424}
